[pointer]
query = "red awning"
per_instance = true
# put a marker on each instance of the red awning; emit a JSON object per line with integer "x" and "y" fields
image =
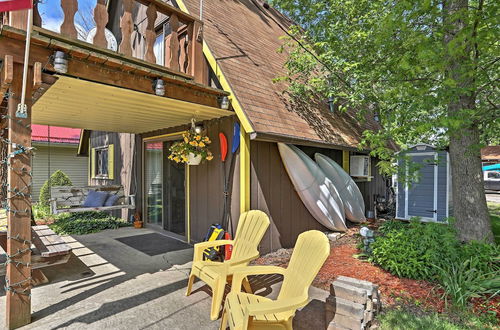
{"x": 10, "y": 5}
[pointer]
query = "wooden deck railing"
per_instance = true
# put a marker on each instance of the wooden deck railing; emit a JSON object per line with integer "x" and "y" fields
{"x": 183, "y": 45}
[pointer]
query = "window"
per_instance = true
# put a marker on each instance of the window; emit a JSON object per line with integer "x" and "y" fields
{"x": 159, "y": 49}
{"x": 101, "y": 159}
{"x": 102, "y": 162}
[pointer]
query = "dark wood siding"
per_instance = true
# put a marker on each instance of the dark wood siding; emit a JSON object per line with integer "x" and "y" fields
{"x": 206, "y": 182}
{"x": 377, "y": 186}
{"x": 273, "y": 192}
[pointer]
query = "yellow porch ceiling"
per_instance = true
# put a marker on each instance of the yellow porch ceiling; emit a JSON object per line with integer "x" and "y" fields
{"x": 79, "y": 103}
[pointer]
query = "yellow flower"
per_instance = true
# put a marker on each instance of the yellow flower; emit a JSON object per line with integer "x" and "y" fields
{"x": 201, "y": 144}
{"x": 193, "y": 143}
{"x": 206, "y": 139}
{"x": 186, "y": 139}
{"x": 184, "y": 158}
{"x": 177, "y": 159}
{"x": 198, "y": 137}
{"x": 210, "y": 157}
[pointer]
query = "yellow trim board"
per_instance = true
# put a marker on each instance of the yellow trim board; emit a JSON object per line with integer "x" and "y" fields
{"x": 188, "y": 206}
{"x": 244, "y": 171}
{"x": 245, "y": 123}
{"x": 346, "y": 161}
{"x": 163, "y": 136}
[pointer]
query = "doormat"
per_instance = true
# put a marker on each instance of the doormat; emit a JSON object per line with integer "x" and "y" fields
{"x": 154, "y": 244}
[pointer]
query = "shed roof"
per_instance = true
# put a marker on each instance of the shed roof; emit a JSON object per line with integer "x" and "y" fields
{"x": 490, "y": 153}
{"x": 244, "y": 37}
{"x": 56, "y": 134}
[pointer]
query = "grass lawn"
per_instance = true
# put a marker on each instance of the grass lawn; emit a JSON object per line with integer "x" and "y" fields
{"x": 495, "y": 220}
{"x": 404, "y": 319}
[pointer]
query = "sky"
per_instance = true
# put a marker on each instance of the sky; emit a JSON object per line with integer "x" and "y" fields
{"x": 52, "y": 14}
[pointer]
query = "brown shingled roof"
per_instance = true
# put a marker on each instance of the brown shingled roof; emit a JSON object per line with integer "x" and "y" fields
{"x": 244, "y": 37}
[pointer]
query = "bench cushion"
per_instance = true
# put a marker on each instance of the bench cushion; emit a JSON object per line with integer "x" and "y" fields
{"x": 111, "y": 200}
{"x": 95, "y": 199}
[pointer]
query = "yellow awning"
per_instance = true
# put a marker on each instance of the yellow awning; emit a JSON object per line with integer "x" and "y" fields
{"x": 76, "y": 103}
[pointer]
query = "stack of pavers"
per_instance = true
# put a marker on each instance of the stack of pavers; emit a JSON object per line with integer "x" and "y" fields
{"x": 352, "y": 304}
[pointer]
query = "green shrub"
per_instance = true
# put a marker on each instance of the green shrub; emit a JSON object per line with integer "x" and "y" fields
{"x": 487, "y": 254}
{"x": 85, "y": 223}
{"x": 466, "y": 279}
{"x": 411, "y": 250}
{"x": 58, "y": 178}
{"x": 41, "y": 211}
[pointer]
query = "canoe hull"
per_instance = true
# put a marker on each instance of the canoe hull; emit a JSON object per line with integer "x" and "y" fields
{"x": 354, "y": 205}
{"x": 316, "y": 191}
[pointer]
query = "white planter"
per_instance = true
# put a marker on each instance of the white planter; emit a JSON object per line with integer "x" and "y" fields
{"x": 194, "y": 159}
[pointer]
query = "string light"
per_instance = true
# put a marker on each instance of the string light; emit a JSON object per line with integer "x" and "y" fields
{"x": 10, "y": 162}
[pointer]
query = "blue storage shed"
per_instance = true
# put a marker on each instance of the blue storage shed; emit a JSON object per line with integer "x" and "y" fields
{"x": 428, "y": 196}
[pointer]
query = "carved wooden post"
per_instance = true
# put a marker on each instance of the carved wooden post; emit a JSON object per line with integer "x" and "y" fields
{"x": 167, "y": 50}
{"x": 150, "y": 33}
{"x": 183, "y": 56}
{"x": 18, "y": 276}
{"x": 190, "y": 36}
{"x": 197, "y": 64}
{"x": 37, "y": 19}
{"x": 174, "y": 43}
{"x": 69, "y": 8}
{"x": 101, "y": 19}
{"x": 127, "y": 27}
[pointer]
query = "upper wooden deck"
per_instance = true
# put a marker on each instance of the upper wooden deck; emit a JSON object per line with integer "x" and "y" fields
{"x": 131, "y": 65}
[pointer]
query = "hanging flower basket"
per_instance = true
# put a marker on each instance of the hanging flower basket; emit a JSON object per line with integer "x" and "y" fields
{"x": 194, "y": 159}
{"x": 192, "y": 150}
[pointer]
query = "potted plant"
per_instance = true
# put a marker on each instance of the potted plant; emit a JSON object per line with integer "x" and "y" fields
{"x": 137, "y": 220}
{"x": 192, "y": 150}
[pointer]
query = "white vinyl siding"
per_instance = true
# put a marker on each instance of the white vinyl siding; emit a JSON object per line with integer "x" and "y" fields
{"x": 61, "y": 158}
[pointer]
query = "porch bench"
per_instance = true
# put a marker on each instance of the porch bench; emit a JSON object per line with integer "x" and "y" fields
{"x": 48, "y": 249}
{"x": 71, "y": 199}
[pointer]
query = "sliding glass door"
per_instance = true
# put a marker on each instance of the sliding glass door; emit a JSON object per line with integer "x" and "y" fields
{"x": 153, "y": 176}
{"x": 165, "y": 190}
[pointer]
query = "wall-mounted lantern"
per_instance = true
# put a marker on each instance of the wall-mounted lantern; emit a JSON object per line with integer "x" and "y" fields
{"x": 224, "y": 102}
{"x": 159, "y": 87}
{"x": 60, "y": 62}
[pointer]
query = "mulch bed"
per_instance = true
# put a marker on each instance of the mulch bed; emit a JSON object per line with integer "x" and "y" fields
{"x": 394, "y": 290}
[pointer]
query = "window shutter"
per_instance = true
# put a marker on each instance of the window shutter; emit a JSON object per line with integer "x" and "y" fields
{"x": 93, "y": 161}
{"x": 111, "y": 161}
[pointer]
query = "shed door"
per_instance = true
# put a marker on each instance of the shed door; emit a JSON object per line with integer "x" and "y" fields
{"x": 421, "y": 194}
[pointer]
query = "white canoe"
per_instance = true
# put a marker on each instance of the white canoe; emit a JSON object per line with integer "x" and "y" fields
{"x": 315, "y": 190}
{"x": 354, "y": 204}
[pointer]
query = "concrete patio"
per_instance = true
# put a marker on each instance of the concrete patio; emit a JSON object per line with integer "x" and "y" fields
{"x": 108, "y": 284}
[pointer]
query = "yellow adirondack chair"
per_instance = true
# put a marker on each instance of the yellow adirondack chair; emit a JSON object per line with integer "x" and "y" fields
{"x": 251, "y": 228}
{"x": 248, "y": 311}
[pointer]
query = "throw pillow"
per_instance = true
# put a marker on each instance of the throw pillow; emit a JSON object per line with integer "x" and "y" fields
{"x": 95, "y": 199}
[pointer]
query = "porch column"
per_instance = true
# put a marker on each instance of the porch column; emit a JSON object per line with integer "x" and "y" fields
{"x": 18, "y": 275}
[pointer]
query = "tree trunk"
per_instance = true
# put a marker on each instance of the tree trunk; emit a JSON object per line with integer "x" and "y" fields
{"x": 469, "y": 200}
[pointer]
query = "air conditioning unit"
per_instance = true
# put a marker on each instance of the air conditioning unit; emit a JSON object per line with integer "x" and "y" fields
{"x": 360, "y": 166}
